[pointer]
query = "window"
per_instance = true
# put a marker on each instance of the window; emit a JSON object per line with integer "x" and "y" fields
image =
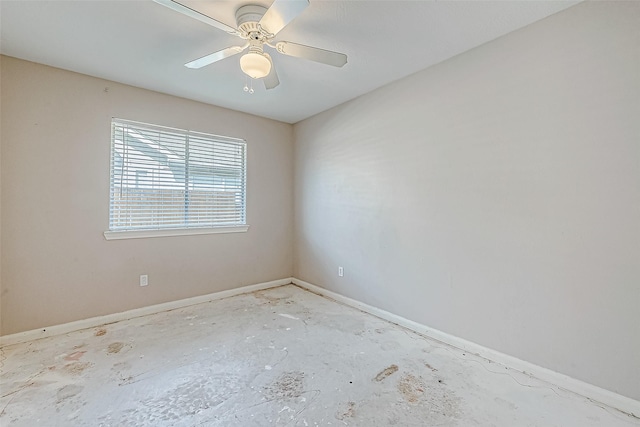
{"x": 168, "y": 181}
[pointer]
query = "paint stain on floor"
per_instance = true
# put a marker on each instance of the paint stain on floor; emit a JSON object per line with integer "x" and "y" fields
{"x": 115, "y": 347}
{"x": 386, "y": 372}
{"x": 411, "y": 388}
{"x": 268, "y": 298}
{"x": 430, "y": 367}
{"x": 68, "y": 391}
{"x": 346, "y": 410}
{"x": 288, "y": 385}
{"x": 76, "y": 368}
{"x": 75, "y": 355}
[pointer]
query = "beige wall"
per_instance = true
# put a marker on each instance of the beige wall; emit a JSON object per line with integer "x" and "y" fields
{"x": 495, "y": 196}
{"x": 56, "y": 265}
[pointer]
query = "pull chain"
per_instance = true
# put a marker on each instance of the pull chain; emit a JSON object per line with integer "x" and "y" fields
{"x": 248, "y": 85}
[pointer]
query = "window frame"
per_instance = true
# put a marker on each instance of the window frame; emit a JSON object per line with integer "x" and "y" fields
{"x": 185, "y": 230}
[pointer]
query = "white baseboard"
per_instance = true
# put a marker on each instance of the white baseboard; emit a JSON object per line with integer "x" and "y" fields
{"x": 137, "y": 312}
{"x": 592, "y": 392}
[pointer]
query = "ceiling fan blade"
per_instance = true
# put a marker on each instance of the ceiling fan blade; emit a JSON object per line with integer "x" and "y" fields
{"x": 312, "y": 53}
{"x": 196, "y": 15}
{"x": 271, "y": 80}
{"x": 215, "y": 56}
{"x": 281, "y": 13}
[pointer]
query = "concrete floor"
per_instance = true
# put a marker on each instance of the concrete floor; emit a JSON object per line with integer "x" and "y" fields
{"x": 282, "y": 357}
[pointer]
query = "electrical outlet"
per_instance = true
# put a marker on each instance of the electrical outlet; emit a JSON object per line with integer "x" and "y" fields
{"x": 144, "y": 280}
{"x": 340, "y": 271}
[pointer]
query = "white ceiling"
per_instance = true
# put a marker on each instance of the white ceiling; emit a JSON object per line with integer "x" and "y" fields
{"x": 144, "y": 44}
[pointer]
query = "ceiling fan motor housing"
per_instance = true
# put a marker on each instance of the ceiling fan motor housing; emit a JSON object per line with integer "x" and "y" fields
{"x": 247, "y": 18}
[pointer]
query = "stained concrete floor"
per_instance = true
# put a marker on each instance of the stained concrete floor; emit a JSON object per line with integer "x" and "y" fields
{"x": 281, "y": 357}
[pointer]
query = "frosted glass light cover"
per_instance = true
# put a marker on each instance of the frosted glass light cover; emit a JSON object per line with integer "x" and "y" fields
{"x": 255, "y": 65}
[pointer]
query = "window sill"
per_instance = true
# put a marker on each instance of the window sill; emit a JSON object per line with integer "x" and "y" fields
{"x": 143, "y": 234}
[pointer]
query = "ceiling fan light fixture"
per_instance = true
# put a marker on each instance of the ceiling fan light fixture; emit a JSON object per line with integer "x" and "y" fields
{"x": 255, "y": 65}
{"x": 258, "y": 26}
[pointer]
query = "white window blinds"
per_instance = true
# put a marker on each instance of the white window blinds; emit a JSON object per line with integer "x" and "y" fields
{"x": 164, "y": 178}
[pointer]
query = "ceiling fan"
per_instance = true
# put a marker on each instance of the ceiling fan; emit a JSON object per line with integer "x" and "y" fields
{"x": 259, "y": 27}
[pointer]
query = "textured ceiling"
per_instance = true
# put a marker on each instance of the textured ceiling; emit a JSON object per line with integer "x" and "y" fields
{"x": 144, "y": 44}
